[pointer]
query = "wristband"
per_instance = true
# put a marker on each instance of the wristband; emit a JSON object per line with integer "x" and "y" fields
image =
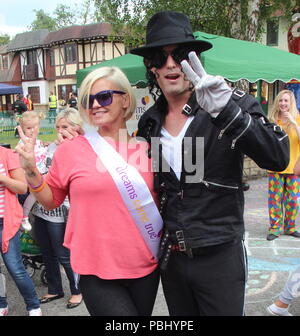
{"x": 38, "y": 187}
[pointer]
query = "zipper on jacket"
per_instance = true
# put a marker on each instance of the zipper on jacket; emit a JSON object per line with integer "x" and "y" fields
{"x": 282, "y": 137}
{"x": 236, "y": 139}
{"x": 224, "y": 129}
{"x": 221, "y": 185}
{"x": 205, "y": 183}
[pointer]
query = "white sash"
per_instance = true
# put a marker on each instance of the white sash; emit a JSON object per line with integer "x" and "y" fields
{"x": 133, "y": 189}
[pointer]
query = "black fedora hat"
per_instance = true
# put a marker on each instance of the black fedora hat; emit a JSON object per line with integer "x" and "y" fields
{"x": 166, "y": 28}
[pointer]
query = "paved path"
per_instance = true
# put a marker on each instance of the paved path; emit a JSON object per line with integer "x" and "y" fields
{"x": 270, "y": 263}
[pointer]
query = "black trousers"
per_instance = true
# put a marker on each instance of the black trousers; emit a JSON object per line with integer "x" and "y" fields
{"x": 121, "y": 297}
{"x": 209, "y": 284}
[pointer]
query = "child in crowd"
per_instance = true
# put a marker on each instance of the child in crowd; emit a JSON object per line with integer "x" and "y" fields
{"x": 12, "y": 182}
{"x": 29, "y": 121}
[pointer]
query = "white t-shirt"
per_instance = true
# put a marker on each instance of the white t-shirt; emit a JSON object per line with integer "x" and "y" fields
{"x": 172, "y": 147}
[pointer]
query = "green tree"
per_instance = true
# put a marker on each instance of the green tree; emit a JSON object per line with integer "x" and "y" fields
{"x": 4, "y": 39}
{"x": 43, "y": 21}
{"x": 71, "y": 15}
{"x": 87, "y": 12}
{"x": 241, "y": 19}
{"x": 64, "y": 16}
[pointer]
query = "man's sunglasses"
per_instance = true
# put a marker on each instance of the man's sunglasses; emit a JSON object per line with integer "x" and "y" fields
{"x": 159, "y": 57}
{"x": 104, "y": 98}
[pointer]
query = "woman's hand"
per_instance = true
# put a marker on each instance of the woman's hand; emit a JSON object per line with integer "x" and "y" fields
{"x": 293, "y": 121}
{"x": 289, "y": 116}
{"x": 26, "y": 150}
{"x": 70, "y": 133}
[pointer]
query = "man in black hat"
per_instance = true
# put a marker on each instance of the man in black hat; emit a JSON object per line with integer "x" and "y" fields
{"x": 204, "y": 128}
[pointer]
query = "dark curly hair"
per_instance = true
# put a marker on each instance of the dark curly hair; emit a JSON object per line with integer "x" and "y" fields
{"x": 154, "y": 88}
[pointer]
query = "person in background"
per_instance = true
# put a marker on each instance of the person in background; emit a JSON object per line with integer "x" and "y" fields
{"x": 72, "y": 102}
{"x": 12, "y": 182}
{"x": 204, "y": 129}
{"x": 19, "y": 106}
{"x": 50, "y": 226}
{"x": 290, "y": 291}
{"x": 284, "y": 184}
{"x": 114, "y": 225}
{"x": 29, "y": 122}
{"x": 29, "y": 103}
{"x": 52, "y": 105}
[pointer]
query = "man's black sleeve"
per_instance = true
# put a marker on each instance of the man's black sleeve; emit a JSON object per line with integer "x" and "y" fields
{"x": 250, "y": 131}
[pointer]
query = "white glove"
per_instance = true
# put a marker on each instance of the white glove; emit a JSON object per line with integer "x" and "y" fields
{"x": 212, "y": 92}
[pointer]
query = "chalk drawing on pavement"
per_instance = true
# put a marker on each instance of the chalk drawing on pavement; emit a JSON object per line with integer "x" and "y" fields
{"x": 267, "y": 258}
{"x": 260, "y": 282}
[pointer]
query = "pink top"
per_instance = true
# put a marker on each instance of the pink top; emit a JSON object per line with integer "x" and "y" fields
{"x": 13, "y": 212}
{"x": 101, "y": 235}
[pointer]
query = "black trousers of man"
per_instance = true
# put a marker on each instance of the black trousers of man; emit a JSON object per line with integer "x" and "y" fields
{"x": 211, "y": 283}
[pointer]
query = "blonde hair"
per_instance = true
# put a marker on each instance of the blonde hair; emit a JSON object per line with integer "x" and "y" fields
{"x": 29, "y": 116}
{"x": 71, "y": 115}
{"x": 275, "y": 111}
{"x": 116, "y": 76}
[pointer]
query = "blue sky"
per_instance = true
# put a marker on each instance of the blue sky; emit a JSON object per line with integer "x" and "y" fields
{"x": 16, "y": 15}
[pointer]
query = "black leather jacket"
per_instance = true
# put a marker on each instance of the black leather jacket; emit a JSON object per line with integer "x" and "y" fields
{"x": 210, "y": 212}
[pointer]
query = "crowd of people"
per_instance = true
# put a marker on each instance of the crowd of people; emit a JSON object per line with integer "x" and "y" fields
{"x": 139, "y": 211}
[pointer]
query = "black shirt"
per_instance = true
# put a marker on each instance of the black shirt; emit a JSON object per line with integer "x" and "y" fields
{"x": 72, "y": 102}
{"x": 19, "y": 106}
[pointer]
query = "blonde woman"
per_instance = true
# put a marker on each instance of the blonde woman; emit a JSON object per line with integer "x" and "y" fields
{"x": 284, "y": 185}
{"x": 114, "y": 226}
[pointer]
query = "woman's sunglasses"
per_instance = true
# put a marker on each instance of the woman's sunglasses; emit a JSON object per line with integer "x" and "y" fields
{"x": 159, "y": 57}
{"x": 104, "y": 98}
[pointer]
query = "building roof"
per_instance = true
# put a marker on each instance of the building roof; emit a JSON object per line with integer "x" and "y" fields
{"x": 28, "y": 40}
{"x": 76, "y": 32}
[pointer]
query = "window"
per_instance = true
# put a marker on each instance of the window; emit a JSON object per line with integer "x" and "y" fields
{"x": 65, "y": 90}
{"x": 272, "y": 32}
{"x": 52, "y": 57}
{"x": 34, "y": 91}
{"x": 70, "y": 53}
{"x": 31, "y": 57}
{"x": 3, "y": 62}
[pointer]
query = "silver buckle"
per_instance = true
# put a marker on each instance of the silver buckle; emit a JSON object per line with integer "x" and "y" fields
{"x": 181, "y": 245}
{"x": 187, "y": 110}
{"x": 179, "y": 235}
{"x": 239, "y": 93}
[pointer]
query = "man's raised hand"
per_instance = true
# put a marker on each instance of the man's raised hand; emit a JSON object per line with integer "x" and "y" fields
{"x": 212, "y": 92}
